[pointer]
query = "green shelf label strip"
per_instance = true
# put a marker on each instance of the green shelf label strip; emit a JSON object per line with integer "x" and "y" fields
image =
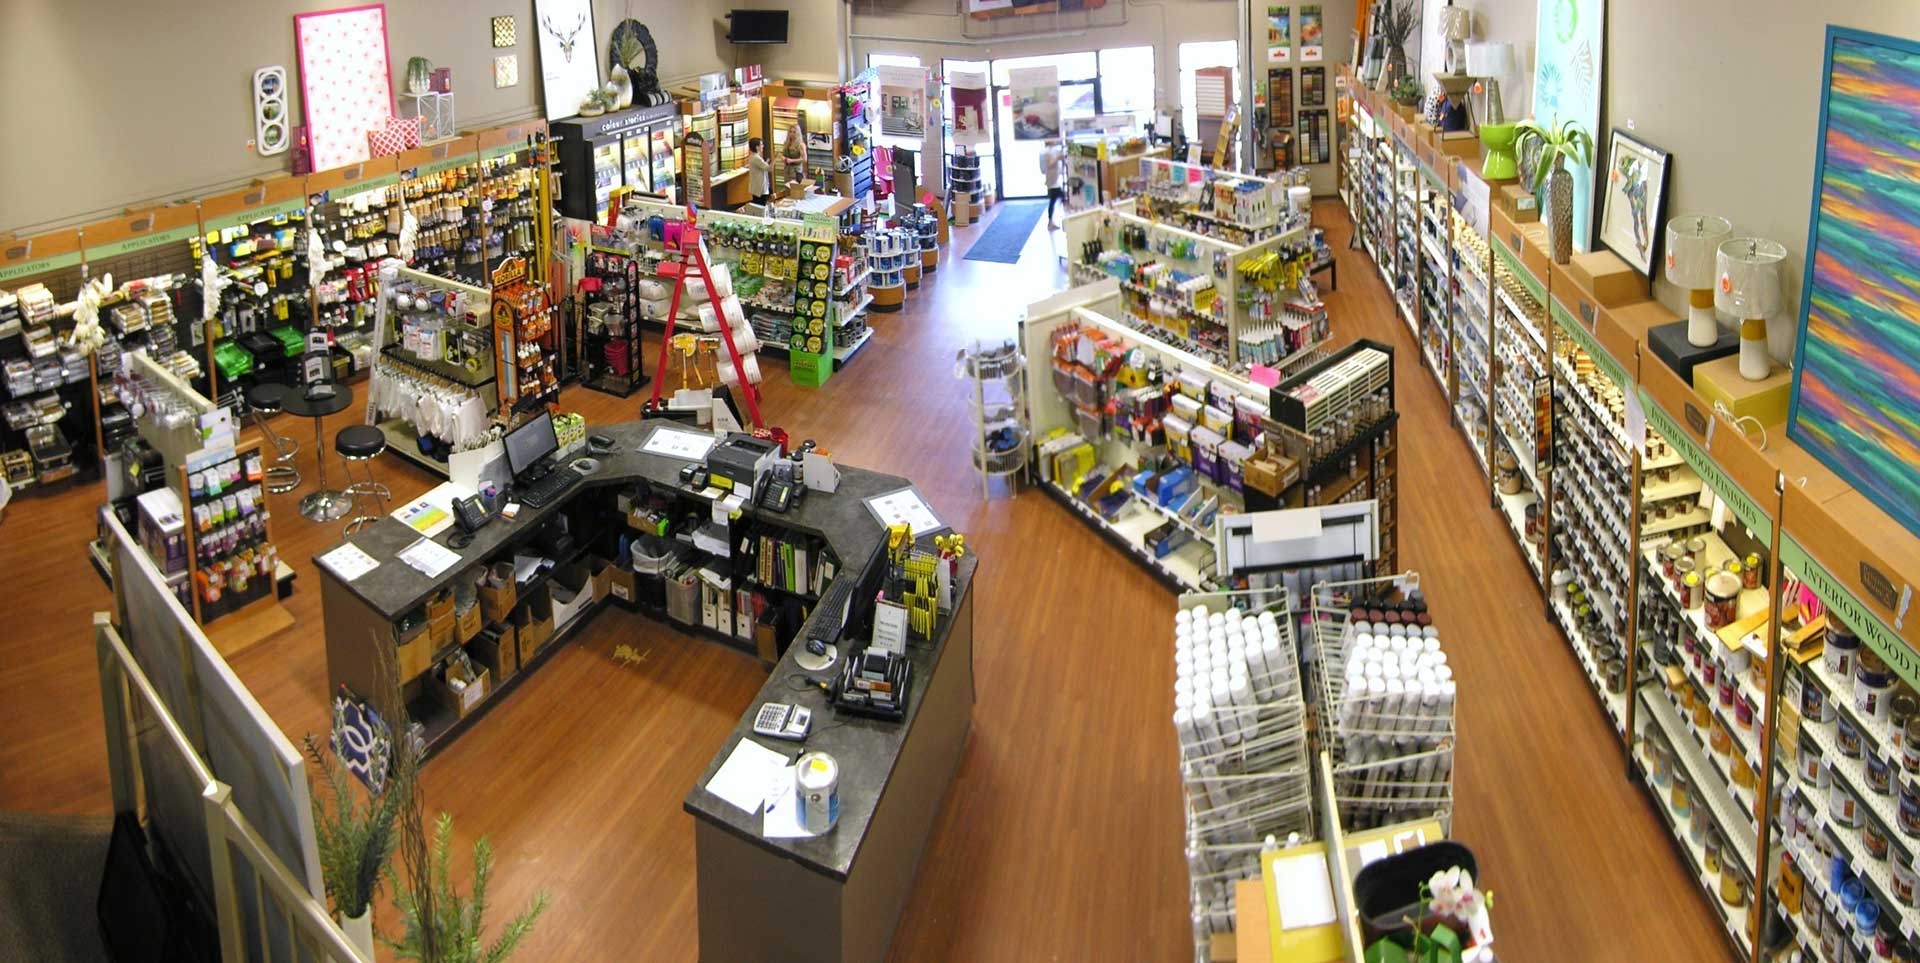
{"x": 445, "y": 165}
{"x": 1519, "y": 269}
{"x": 502, "y": 150}
{"x": 255, "y": 215}
{"x": 39, "y": 266}
{"x": 1588, "y": 343}
{"x": 1885, "y": 643}
{"x": 1744, "y": 507}
{"x": 143, "y": 242}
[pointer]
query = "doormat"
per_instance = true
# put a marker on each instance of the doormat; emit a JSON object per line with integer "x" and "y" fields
{"x": 1007, "y": 235}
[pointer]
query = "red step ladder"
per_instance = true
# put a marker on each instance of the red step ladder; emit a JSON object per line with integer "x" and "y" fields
{"x": 692, "y": 264}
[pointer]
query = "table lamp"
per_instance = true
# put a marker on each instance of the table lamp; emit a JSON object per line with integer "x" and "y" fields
{"x": 1456, "y": 26}
{"x": 1693, "y": 244}
{"x": 1749, "y": 290}
{"x": 1490, "y": 60}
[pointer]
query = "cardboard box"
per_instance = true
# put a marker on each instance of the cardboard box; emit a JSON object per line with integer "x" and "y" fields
{"x": 497, "y": 650}
{"x": 469, "y": 623}
{"x": 413, "y": 653}
{"x": 440, "y": 632}
{"x": 1720, "y": 381}
{"x": 440, "y": 605}
{"x": 1518, "y": 203}
{"x": 1607, "y": 279}
{"x": 799, "y": 189}
{"x": 620, "y": 584}
{"x": 602, "y": 578}
{"x": 1462, "y": 144}
{"x": 463, "y": 702}
{"x": 572, "y": 592}
{"x": 533, "y": 625}
{"x": 1533, "y": 253}
{"x": 496, "y": 603}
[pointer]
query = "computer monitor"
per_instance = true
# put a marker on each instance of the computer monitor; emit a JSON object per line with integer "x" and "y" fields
{"x": 530, "y": 442}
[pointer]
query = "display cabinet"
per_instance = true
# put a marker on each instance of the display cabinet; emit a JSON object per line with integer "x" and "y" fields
{"x": 631, "y": 148}
{"x": 998, "y": 377}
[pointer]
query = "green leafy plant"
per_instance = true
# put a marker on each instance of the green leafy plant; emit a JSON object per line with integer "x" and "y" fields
{"x": 631, "y": 52}
{"x": 1407, "y": 92}
{"x": 354, "y": 834}
{"x": 1566, "y": 140}
{"x": 442, "y": 926}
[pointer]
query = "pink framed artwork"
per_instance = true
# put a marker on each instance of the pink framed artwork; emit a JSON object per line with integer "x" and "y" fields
{"x": 346, "y": 86}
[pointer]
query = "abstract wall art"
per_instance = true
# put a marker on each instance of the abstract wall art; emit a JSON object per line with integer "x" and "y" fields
{"x": 1856, "y": 388}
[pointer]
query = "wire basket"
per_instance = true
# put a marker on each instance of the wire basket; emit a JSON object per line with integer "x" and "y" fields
{"x": 1391, "y": 746}
{"x": 1246, "y": 771}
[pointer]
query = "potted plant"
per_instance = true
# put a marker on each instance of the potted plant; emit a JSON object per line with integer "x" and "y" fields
{"x": 355, "y": 838}
{"x": 1406, "y": 97}
{"x": 1429, "y": 936}
{"x": 440, "y": 925}
{"x": 1564, "y": 141}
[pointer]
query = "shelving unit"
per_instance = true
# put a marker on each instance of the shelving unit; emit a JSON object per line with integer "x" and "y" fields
{"x": 1001, "y": 441}
{"x": 612, "y": 357}
{"x": 442, "y": 348}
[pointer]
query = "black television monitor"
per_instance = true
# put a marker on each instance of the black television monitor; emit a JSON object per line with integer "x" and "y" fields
{"x": 757, "y": 26}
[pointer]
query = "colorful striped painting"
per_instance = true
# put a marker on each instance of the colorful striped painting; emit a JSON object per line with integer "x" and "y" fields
{"x": 1856, "y": 401}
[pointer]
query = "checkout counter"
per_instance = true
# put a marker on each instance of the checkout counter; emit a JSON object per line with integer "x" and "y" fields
{"x": 834, "y": 896}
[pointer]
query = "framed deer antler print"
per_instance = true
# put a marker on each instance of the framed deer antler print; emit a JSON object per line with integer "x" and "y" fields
{"x": 569, "y": 54}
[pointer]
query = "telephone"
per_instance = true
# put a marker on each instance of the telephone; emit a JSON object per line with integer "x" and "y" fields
{"x": 470, "y": 514}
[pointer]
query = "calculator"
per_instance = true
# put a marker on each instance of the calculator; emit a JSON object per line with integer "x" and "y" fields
{"x": 779, "y": 720}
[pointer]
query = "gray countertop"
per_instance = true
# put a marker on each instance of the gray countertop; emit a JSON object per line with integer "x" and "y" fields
{"x": 867, "y": 749}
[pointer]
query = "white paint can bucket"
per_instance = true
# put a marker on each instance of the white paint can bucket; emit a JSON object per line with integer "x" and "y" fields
{"x": 816, "y": 777}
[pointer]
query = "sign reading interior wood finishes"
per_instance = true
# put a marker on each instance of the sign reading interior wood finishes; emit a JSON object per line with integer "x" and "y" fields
{"x": 1614, "y": 370}
{"x": 1744, "y": 508}
{"x": 1878, "y": 636}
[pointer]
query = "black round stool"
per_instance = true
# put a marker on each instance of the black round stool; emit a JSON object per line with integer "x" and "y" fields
{"x": 362, "y": 443}
{"x": 264, "y": 399}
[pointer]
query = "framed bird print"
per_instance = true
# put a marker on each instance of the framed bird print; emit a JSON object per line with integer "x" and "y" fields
{"x": 1633, "y": 205}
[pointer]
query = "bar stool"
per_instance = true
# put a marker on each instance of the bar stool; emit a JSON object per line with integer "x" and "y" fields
{"x": 265, "y": 398}
{"x": 362, "y": 443}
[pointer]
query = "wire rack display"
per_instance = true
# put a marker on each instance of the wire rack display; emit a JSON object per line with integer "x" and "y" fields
{"x": 1245, "y": 766}
{"x": 1385, "y": 701}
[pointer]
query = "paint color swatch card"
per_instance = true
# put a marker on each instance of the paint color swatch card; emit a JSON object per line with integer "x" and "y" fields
{"x": 675, "y": 443}
{"x": 905, "y": 507}
{"x": 429, "y": 557}
{"x": 349, "y": 562}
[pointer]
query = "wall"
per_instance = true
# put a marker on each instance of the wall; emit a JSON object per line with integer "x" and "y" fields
{"x": 816, "y": 44}
{"x": 134, "y": 106}
{"x": 1164, "y": 25}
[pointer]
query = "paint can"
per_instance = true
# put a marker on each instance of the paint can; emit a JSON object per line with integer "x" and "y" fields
{"x": 1723, "y": 599}
{"x": 1872, "y": 686}
{"x": 816, "y": 777}
{"x": 1841, "y": 648}
{"x": 1904, "y": 879}
{"x": 1909, "y": 815}
{"x": 1750, "y": 576}
{"x": 1812, "y": 766}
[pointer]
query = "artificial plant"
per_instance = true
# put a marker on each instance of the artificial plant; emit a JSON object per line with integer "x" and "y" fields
{"x": 1406, "y": 92}
{"x": 446, "y": 927}
{"x": 1565, "y": 140}
{"x": 1449, "y": 895}
{"x": 354, "y": 834}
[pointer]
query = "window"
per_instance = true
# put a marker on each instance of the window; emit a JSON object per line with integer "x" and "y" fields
{"x": 1195, "y": 57}
{"x": 1127, "y": 82}
{"x": 892, "y": 60}
{"x": 1072, "y": 66}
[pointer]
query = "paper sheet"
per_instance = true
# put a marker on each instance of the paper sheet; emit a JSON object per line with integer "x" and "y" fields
{"x": 349, "y": 562}
{"x": 743, "y": 780}
{"x": 1305, "y": 895}
{"x": 677, "y": 443}
{"x": 905, "y": 507}
{"x": 1376, "y": 850}
{"x": 432, "y": 513}
{"x": 783, "y": 809}
{"x": 429, "y": 557}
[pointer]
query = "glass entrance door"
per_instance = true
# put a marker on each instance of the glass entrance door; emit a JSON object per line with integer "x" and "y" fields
{"x": 1022, "y": 138}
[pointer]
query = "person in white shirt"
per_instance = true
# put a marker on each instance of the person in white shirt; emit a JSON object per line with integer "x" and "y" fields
{"x": 759, "y": 172}
{"x": 1053, "y": 158}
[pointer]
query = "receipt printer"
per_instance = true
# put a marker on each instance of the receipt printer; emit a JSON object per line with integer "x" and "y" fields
{"x": 739, "y": 462}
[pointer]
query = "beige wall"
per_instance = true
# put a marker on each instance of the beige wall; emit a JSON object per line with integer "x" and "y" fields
{"x": 114, "y": 102}
{"x": 816, "y": 39}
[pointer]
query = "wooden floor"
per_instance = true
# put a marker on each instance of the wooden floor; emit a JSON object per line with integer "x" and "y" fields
{"x": 1061, "y": 839}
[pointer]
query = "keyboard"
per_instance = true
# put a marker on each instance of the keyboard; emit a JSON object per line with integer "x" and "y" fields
{"x": 548, "y": 488}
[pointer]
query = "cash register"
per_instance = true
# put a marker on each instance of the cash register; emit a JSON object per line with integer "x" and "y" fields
{"x": 537, "y": 478}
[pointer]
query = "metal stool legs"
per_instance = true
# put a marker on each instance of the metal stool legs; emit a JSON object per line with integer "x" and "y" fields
{"x": 281, "y": 475}
{"x": 375, "y": 493}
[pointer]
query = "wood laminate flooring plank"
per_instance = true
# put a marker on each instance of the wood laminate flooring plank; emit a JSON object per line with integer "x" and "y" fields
{"x": 1061, "y": 838}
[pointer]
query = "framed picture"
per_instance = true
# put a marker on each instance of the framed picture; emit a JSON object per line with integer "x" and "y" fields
{"x": 1569, "y": 54}
{"x": 1634, "y": 203}
{"x": 1857, "y": 362}
{"x": 346, "y": 88}
{"x": 1313, "y": 86}
{"x": 569, "y": 56}
{"x": 1280, "y": 97}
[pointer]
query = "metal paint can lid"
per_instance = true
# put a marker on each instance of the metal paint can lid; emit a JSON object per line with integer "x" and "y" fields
{"x": 816, "y": 772}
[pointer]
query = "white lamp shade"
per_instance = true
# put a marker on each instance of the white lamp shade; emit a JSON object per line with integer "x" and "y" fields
{"x": 1489, "y": 58}
{"x": 1456, "y": 23}
{"x": 1749, "y": 284}
{"x": 1693, "y": 243}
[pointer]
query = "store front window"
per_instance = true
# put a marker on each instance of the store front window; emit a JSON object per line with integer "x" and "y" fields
{"x": 1021, "y": 139}
{"x": 1127, "y": 82}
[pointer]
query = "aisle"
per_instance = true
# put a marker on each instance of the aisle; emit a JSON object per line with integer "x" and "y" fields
{"x": 1579, "y": 860}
